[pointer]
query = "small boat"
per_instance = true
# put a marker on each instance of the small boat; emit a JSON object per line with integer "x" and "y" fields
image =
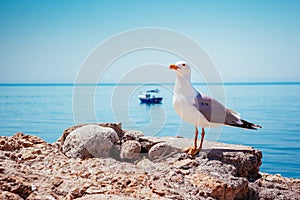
{"x": 154, "y": 91}
{"x": 150, "y": 97}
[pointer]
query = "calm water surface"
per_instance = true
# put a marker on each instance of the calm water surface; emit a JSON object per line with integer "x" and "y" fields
{"x": 46, "y": 110}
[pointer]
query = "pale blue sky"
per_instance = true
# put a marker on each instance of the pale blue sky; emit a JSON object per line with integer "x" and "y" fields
{"x": 47, "y": 41}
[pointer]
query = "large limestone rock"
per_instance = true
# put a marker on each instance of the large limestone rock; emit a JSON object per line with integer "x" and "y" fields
{"x": 90, "y": 141}
{"x": 116, "y": 126}
{"x": 31, "y": 169}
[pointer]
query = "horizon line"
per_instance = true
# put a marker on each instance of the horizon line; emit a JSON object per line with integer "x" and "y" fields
{"x": 154, "y": 83}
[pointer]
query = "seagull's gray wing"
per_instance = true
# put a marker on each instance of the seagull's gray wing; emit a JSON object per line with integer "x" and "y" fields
{"x": 214, "y": 111}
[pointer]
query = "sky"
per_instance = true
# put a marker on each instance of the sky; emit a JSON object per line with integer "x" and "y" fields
{"x": 249, "y": 41}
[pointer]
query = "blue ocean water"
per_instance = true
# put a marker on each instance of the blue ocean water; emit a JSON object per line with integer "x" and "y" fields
{"x": 46, "y": 110}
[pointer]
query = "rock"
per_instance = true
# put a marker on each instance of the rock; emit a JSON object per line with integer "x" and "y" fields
{"x": 18, "y": 141}
{"x": 104, "y": 197}
{"x": 148, "y": 141}
{"x": 146, "y": 163}
{"x": 9, "y": 196}
{"x": 246, "y": 161}
{"x": 275, "y": 187}
{"x": 90, "y": 141}
{"x": 31, "y": 169}
{"x": 132, "y": 135}
{"x": 185, "y": 164}
{"x": 219, "y": 189}
{"x": 16, "y": 185}
{"x": 162, "y": 150}
{"x": 130, "y": 149}
{"x": 9, "y": 144}
{"x": 116, "y": 126}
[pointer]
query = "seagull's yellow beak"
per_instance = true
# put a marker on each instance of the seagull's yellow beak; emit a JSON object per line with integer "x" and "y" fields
{"x": 173, "y": 67}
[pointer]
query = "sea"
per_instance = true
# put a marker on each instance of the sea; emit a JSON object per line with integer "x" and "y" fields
{"x": 45, "y": 110}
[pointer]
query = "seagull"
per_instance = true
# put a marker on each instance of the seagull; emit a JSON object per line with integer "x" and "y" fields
{"x": 199, "y": 109}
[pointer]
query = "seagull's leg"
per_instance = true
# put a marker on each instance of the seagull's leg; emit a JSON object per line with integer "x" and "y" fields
{"x": 202, "y": 138}
{"x": 196, "y": 137}
{"x": 193, "y": 150}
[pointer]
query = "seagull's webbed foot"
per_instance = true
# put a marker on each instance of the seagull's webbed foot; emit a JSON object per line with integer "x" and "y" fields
{"x": 192, "y": 150}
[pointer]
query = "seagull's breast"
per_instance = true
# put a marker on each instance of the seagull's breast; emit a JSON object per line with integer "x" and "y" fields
{"x": 186, "y": 109}
{"x": 184, "y": 102}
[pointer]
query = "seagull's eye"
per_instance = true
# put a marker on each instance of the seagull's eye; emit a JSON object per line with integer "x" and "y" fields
{"x": 183, "y": 64}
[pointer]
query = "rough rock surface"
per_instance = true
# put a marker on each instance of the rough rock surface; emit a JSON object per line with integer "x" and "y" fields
{"x": 116, "y": 126}
{"x": 90, "y": 141}
{"x": 132, "y": 135}
{"x": 30, "y": 168}
{"x": 162, "y": 149}
{"x": 130, "y": 149}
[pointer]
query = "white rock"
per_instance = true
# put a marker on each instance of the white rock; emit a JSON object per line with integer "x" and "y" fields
{"x": 90, "y": 141}
{"x": 131, "y": 149}
{"x": 161, "y": 150}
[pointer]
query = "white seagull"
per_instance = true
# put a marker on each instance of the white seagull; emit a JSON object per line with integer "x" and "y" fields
{"x": 199, "y": 109}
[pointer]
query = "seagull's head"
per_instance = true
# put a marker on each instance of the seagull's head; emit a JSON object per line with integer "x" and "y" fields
{"x": 182, "y": 68}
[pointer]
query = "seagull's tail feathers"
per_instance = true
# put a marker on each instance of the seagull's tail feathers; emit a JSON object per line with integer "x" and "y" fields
{"x": 247, "y": 125}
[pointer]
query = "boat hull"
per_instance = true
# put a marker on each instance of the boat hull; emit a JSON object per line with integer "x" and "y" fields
{"x": 151, "y": 100}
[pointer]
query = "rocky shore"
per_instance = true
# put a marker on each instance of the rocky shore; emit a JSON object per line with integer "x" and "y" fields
{"x": 102, "y": 161}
